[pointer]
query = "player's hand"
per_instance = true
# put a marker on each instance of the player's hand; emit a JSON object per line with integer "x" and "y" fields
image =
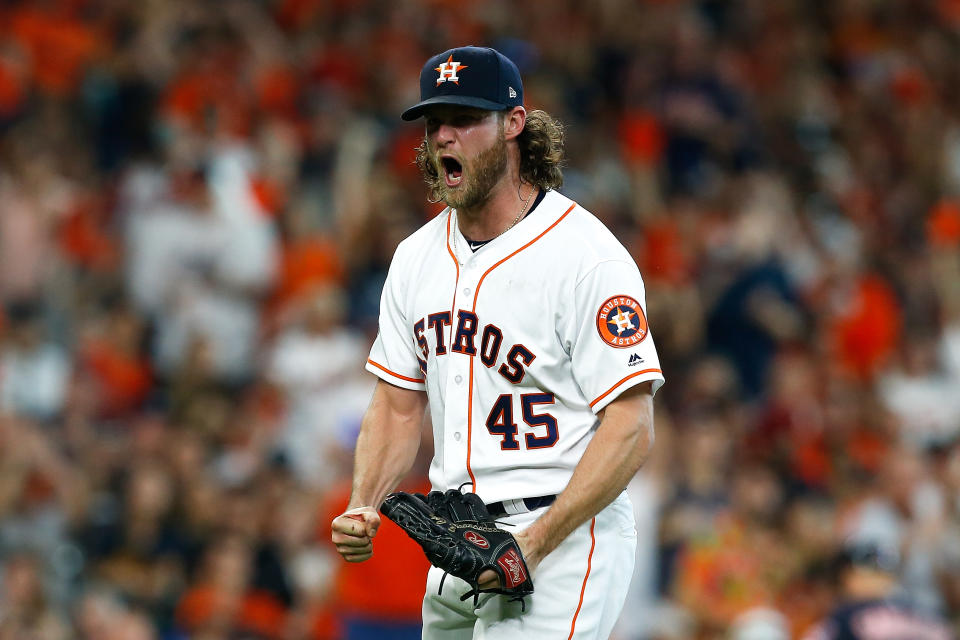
{"x": 489, "y": 578}
{"x": 352, "y": 533}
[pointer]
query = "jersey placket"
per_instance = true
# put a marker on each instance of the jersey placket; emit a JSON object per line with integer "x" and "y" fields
{"x": 458, "y": 409}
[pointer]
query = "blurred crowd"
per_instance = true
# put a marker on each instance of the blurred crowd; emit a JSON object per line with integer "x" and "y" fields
{"x": 198, "y": 204}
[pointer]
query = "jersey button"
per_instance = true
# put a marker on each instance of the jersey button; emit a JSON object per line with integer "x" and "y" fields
{"x": 456, "y": 436}
{"x": 458, "y": 379}
{"x": 466, "y": 291}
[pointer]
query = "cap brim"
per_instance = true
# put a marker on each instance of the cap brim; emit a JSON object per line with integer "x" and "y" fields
{"x": 417, "y": 110}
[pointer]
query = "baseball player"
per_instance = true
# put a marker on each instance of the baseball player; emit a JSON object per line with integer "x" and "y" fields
{"x": 519, "y": 319}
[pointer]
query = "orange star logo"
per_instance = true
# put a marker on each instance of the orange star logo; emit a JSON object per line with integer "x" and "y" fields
{"x": 448, "y": 71}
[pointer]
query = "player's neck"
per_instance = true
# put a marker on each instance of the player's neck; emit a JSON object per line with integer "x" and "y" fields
{"x": 507, "y": 203}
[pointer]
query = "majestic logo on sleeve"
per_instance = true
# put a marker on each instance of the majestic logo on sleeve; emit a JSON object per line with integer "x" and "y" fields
{"x": 621, "y": 323}
{"x": 448, "y": 71}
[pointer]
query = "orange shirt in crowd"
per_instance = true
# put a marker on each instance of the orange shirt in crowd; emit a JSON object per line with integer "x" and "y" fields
{"x": 124, "y": 379}
{"x": 85, "y": 240}
{"x": 59, "y": 46}
{"x": 866, "y": 333}
{"x": 12, "y": 89}
{"x": 277, "y": 89}
{"x": 662, "y": 255}
{"x": 198, "y": 94}
{"x": 306, "y": 265}
{"x": 943, "y": 224}
{"x": 642, "y": 138}
{"x": 255, "y": 611}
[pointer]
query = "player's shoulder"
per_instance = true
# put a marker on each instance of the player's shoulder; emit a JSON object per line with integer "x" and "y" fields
{"x": 431, "y": 233}
{"x": 584, "y": 233}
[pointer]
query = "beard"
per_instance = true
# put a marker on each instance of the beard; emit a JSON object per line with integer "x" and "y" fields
{"x": 484, "y": 172}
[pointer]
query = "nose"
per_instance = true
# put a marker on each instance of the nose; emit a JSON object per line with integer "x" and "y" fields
{"x": 443, "y": 135}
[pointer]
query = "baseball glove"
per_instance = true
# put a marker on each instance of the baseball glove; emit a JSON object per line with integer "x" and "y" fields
{"x": 459, "y": 535}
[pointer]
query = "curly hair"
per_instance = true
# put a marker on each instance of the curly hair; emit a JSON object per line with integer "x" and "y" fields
{"x": 541, "y": 150}
{"x": 541, "y": 155}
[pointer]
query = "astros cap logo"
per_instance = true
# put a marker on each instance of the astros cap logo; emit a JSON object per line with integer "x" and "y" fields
{"x": 448, "y": 71}
{"x": 621, "y": 323}
{"x": 469, "y": 76}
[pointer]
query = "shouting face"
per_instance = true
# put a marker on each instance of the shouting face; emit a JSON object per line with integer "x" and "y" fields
{"x": 465, "y": 154}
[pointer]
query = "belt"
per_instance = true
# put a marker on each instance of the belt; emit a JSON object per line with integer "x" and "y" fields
{"x": 520, "y": 505}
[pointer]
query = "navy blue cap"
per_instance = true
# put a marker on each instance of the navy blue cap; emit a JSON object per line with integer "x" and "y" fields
{"x": 870, "y": 555}
{"x": 470, "y": 76}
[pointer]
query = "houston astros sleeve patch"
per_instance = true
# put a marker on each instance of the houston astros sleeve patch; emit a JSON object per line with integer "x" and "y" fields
{"x": 613, "y": 348}
{"x": 621, "y": 322}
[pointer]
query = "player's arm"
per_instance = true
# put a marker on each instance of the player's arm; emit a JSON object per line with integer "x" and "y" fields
{"x": 386, "y": 449}
{"x": 617, "y": 451}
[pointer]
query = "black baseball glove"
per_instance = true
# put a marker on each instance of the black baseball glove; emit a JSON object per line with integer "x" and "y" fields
{"x": 459, "y": 535}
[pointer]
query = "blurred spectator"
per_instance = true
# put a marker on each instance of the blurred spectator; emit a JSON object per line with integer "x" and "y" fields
{"x": 811, "y": 534}
{"x": 199, "y": 264}
{"x": 316, "y": 364}
{"x": 134, "y": 545}
{"x": 948, "y": 563}
{"x": 741, "y": 563}
{"x": 758, "y": 308}
{"x": 309, "y": 261}
{"x": 906, "y": 513}
{"x": 41, "y": 495}
{"x": 33, "y": 370}
{"x": 111, "y": 352}
{"x": 101, "y": 615}
{"x": 220, "y": 600}
{"x": 706, "y": 125}
{"x": 922, "y": 394}
{"x": 25, "y": 611}
{"x": 759, "y": 624}
{"x": 871, "y": 608}
{"x": 35, "y": 196}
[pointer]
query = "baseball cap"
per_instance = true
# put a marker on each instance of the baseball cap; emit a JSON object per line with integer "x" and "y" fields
{"x": 869, "y": 555}
{"x": 469, "y": 76}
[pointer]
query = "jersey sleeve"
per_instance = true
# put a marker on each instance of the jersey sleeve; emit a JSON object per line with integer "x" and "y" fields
{"x": 613, "y": 349}
{"x": 393, "y": 357}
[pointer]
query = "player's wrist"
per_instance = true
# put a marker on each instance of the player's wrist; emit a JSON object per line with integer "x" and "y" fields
{"x": 359, "y": 508}
{"x": 530, "y": 547}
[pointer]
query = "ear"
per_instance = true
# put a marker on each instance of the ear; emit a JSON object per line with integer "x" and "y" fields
{"x": 513, "y": 122}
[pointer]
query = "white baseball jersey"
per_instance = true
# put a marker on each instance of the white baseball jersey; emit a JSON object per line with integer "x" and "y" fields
{"x": 518, "y": 345}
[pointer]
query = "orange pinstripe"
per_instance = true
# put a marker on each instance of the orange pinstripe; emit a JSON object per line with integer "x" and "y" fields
{"x": 456, "y": 283}
{"x": 456, "y": 263}
{"x": 632, "y": 375}
{"x": 593, "y": 543}
{"x": 383, "y": 368}
{"x": 476, "y": 294}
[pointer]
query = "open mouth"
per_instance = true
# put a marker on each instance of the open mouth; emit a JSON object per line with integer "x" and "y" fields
{"x": 452, "y": 171}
